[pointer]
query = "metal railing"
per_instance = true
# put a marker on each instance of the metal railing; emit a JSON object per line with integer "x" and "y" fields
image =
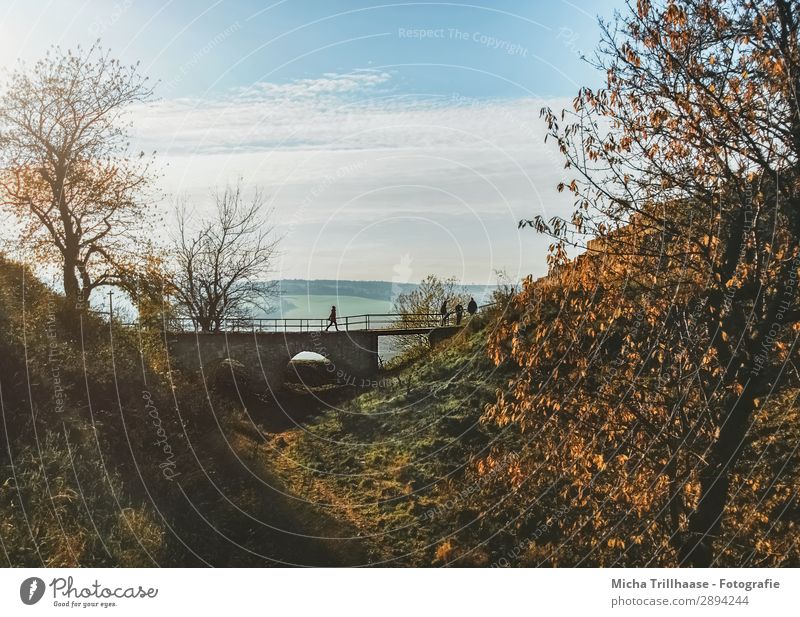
{"x": 372, "y": 321}
{"x": 368, "y": 322}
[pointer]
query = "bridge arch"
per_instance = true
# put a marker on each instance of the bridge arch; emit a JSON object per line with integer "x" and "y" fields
{"x": 308, "y": 356}
{"x": 310, "y": 369}
{"x": 353, "y": 355}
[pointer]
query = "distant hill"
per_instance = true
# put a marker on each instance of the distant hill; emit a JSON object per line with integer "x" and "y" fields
{"x": 374, "y": 290}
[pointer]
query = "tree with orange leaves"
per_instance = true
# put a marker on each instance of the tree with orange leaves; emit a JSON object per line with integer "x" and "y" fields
{"x": 65, "y": 171}
{"x": 645, "y": 364}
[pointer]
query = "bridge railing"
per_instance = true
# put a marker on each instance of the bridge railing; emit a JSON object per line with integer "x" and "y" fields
{"x": 369, "y": 321}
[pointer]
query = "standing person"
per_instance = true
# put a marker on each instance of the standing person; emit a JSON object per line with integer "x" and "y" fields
{"x": 443, "y": 312}
{"x": 472, "y": 307}
{"x": 332, "y": 319}
{"x": 459, "y": 313}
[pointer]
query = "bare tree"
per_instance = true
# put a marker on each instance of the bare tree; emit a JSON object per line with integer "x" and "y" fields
{"x": 65, "y": 171}
{"x": 222, "y": 262}
{"x": 421, "y": 307}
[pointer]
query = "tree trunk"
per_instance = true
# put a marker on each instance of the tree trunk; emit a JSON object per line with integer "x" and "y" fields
{"x": 706, "y": 520}
{"x": 205, "y": 323}
{"x": 72, "y": 288}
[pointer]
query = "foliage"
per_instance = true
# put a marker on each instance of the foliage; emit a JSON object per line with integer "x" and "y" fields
{"x": 67, "y": 175}
{"x": 149, "y": 287}
{"x": 646, "y": 365}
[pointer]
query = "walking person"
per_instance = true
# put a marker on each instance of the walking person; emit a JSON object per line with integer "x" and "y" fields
{"x": 443, "y": 312}
{"x": 459, "y": 313}
{"x": 472, "y": 307}
{"x": 332, "y": 319}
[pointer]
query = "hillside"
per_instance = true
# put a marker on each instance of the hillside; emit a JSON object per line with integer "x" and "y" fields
{"x": 401, "y": 462}
{"x": 107, "y": 458}
{"x": 413, "y": 466}
{"x": 409, "y": 472}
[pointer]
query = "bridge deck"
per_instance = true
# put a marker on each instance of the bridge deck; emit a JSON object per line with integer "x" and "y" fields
{"x": 396, "y": 331}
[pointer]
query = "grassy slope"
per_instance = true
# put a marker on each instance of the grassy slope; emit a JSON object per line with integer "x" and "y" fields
{"x": 393, "y": 460}
{"x": 82, "y": 487}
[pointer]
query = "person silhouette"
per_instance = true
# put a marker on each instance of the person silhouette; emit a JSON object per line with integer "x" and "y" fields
{"x": 459, "y": 313}
{"x": 332, "y": 319}
{"x": 443, "y": 312}
{"x": 472, "y": 307}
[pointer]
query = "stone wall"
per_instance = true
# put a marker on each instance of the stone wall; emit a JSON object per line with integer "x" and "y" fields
{"x": 354, "y": 355}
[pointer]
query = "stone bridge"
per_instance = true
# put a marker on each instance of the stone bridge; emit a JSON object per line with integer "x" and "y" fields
{"x": 353, "y": 354}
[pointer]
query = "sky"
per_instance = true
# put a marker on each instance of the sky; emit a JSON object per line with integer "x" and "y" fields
{"x": 391, "y": 140}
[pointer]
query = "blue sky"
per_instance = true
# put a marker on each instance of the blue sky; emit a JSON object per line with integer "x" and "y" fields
{"x": 391, "y": 139}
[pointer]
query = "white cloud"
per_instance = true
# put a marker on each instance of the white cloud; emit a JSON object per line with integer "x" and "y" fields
{"x": 341, "y": 154}
{"x": 329, "y": 83}
{"x": 352, "y": 111}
